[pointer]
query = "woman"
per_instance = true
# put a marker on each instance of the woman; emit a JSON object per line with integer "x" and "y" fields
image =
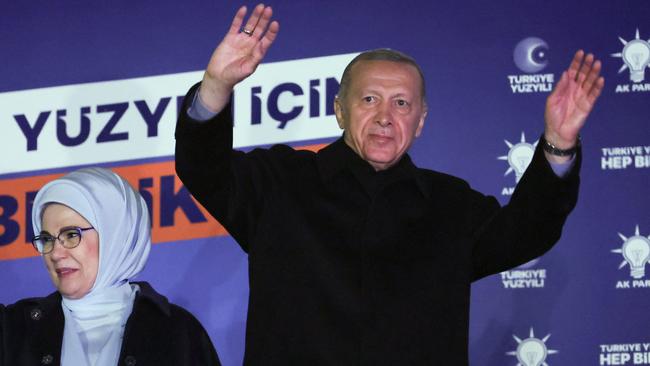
{"x": 93, "y": 231}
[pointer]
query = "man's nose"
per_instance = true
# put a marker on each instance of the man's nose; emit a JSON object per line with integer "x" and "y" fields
{"x": 384, "y": 115}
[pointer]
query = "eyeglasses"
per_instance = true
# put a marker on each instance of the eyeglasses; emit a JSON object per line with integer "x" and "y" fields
{"x": 69, "y": 237}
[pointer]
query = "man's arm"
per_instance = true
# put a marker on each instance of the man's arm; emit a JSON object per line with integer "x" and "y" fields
{"x": 226, "y": 182}
{"x": 532, "y": 221}
{"x": 530, "y": 224}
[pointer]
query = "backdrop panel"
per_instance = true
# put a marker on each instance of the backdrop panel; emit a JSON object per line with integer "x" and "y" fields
{"x": 100, "y": 84}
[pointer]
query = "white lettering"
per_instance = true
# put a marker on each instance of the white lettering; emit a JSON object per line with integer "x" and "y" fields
{"x": 615, "y": 162}
{"x": 624, "y": 347}
{"x": 533, "y": 278}
{"x": 530, "y": 79}
{"x": 642, "y": 161}
{"x": 614, "y": 359}
{"x": 622, "y": 88}
{"x": 640, "y": 87}
{"x": 623, "y": 284}
{"x": 627, "y": 88}
{"x": 621, "y": 354}
{"x": 507, "y": 191}
{"x": 535, "y": 283}
{"x": 641, "y": 284}
{"x": 536, "y": 83}
{"x": 623, "y": 151}
{"x": 642, "y": 358}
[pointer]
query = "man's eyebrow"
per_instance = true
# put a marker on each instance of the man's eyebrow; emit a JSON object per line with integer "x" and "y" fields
{"x": 369, "y": 90}
{"x": 376, "y": 90}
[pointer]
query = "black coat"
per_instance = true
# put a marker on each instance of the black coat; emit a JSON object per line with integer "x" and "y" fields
{"x": 348, "y": 266}
{"x": 157, "y": 333}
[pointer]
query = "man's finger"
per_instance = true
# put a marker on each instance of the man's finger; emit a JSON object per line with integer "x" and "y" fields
{"x": 561, "y": 87}
{"x": 267, "y": 13}
{"x": 260, "y": 50}
{"x": 596, "y": 89}
{"x": 253, "y": 20}
{"x": 271, "y": 33}
{"x": 575, "y": 64}
{"x": 585, "y": 67}
{"x": 235, "y": 26}
{"x": 592, "y": 76}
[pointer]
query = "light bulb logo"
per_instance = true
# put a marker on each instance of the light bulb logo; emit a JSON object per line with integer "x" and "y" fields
{"x": 519, "y": 156}
{"x": 531, "y": 351}
{"x": 636, "y": 56}
{"x": 636, "y": 252}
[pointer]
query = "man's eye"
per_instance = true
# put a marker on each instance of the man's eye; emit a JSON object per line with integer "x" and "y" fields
{"x": 368, "y": 99}
{"x": 402, "y": 103}
{"x": 47, "y": 239}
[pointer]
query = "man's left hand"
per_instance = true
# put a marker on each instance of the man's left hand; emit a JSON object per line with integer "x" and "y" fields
{"x": 570, "y": 103}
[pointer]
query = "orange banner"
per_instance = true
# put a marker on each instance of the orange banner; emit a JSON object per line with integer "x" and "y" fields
{"x": 174, "y": 212}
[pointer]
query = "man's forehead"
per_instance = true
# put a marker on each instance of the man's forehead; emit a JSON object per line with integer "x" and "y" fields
{"x": 398, "y": 73}
{"x": 372, "y": 66}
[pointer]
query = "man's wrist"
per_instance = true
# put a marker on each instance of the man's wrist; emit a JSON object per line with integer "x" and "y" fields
{"x": 197, "y": 109}
{"x": 213, "y": 94}
{"x": 556, "y": 151}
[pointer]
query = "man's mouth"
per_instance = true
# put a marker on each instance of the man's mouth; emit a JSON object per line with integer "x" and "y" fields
{"x": 382, "y": 139}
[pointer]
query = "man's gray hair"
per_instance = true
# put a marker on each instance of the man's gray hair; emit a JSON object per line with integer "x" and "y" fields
{"x": 380, "y": 54}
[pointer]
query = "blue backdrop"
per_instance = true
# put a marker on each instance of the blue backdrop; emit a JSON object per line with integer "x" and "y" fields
{"x": 484, "y": 99}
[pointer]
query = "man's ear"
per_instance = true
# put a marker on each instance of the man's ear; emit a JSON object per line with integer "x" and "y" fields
{"x": 418, "y": 130}
{"x": 340, "y": 114}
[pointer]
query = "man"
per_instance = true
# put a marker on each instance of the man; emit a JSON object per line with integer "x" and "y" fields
{"x": 356, "y": 256}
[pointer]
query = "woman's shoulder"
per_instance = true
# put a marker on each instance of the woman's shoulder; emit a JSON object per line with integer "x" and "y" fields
{"x": 32, "y": 312}
{"x": 150, "y": 298}
{"x": 158, "y": 321}
{"x": 43, "y": 303}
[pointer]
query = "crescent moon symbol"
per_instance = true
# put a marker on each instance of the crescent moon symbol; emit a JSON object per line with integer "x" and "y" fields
{"x": 524, "y": 56}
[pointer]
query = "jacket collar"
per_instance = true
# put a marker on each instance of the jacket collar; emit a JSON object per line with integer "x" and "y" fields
{"x": 338, "y": 158}
{"x": 149, "y": 294}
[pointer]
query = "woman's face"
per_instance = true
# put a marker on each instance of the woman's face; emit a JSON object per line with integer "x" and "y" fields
{"x": 73, "y": 271}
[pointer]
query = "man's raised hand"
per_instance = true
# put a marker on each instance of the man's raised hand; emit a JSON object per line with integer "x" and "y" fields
{"x": 238, "y": 55}
{"x": 573, "y": 98}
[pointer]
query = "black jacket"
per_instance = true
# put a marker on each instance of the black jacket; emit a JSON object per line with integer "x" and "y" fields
{"x": 348, "y": 266}
{"x": 157, "y": 333}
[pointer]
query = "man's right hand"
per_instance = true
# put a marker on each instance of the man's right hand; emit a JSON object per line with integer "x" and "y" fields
{"x": 238, "y": 55}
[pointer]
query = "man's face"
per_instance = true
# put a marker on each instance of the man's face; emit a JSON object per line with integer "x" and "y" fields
{"x": 382, "y": 112}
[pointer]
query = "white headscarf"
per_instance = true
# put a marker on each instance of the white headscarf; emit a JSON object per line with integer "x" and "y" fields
{"x": 94, "y": 324}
